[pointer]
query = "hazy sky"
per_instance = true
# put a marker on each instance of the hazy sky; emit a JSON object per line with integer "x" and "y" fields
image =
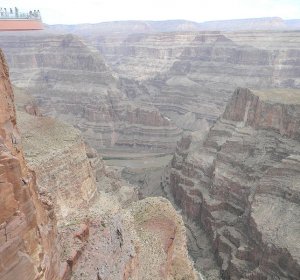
{"x": 92, "y": 11}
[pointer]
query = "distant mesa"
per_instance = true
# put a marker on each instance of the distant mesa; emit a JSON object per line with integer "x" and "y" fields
{"x": 12, "y": 19}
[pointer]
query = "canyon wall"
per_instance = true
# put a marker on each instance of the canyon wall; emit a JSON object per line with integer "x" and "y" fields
{"x": 142, "y": 56}
{"x": 161, "y": 83}
{"x": 28, "y": 246}
{"x": 189, "y": 76}
{"x": 200, "y": 82}
{"x": 241, "y": 182}
{"x": 71, "y": 82}
{"x": 165, "y": 83}
{"x": 103, "y": 232}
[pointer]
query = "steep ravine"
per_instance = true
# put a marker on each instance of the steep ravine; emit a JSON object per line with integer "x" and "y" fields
{"x": 103, "y": 230}
{"x": 242, "y": 184}
{"x": 74, "y": 218}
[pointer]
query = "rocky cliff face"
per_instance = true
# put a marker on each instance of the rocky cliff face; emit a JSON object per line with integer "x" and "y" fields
{"x": 71, "y": 81}
{"x": 28, "y": 244}
{"x": 100, "y": 232}
{"x": 242, "y": 184}
{"x": 103, "y": 232}
{"x": 57, "y": 154}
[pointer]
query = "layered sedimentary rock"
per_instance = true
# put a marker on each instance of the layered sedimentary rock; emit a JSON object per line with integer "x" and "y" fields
{"x": 241, "y": 182}
{"x": 143, "y": 56}
{"x": 28, "y": 246}
{"x": 189, "y": 76}
{"x": 115, "y": 39}
{"x": 71, "y": 81}
{"x": 103, "y": 231}
{"x": 186, "y": 76}
{"x": 207, "y": 71}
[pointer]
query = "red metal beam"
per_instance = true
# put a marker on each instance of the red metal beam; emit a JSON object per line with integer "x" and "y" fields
{"x": 20, "y": 24}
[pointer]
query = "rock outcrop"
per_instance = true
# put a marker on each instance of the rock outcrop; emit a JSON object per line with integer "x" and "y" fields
{"x": 28, "y": 245}
{"x": 161, "y": 230}
{"x": 241, "y": 182}
{"x": 58, "y": 156}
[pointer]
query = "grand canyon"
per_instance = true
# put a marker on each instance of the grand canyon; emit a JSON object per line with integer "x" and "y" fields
{"x": 151, "y": 150}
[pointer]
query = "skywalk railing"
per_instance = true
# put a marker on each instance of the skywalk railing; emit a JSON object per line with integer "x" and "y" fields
{"x": 15, "y": 14}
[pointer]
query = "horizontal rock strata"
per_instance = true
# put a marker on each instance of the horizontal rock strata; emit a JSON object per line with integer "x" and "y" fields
{"x": 191, "y": 75}
{"x": 70, "y": 81}
{"x": 103, "y": 231}
{"x": 242, "y": 184}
